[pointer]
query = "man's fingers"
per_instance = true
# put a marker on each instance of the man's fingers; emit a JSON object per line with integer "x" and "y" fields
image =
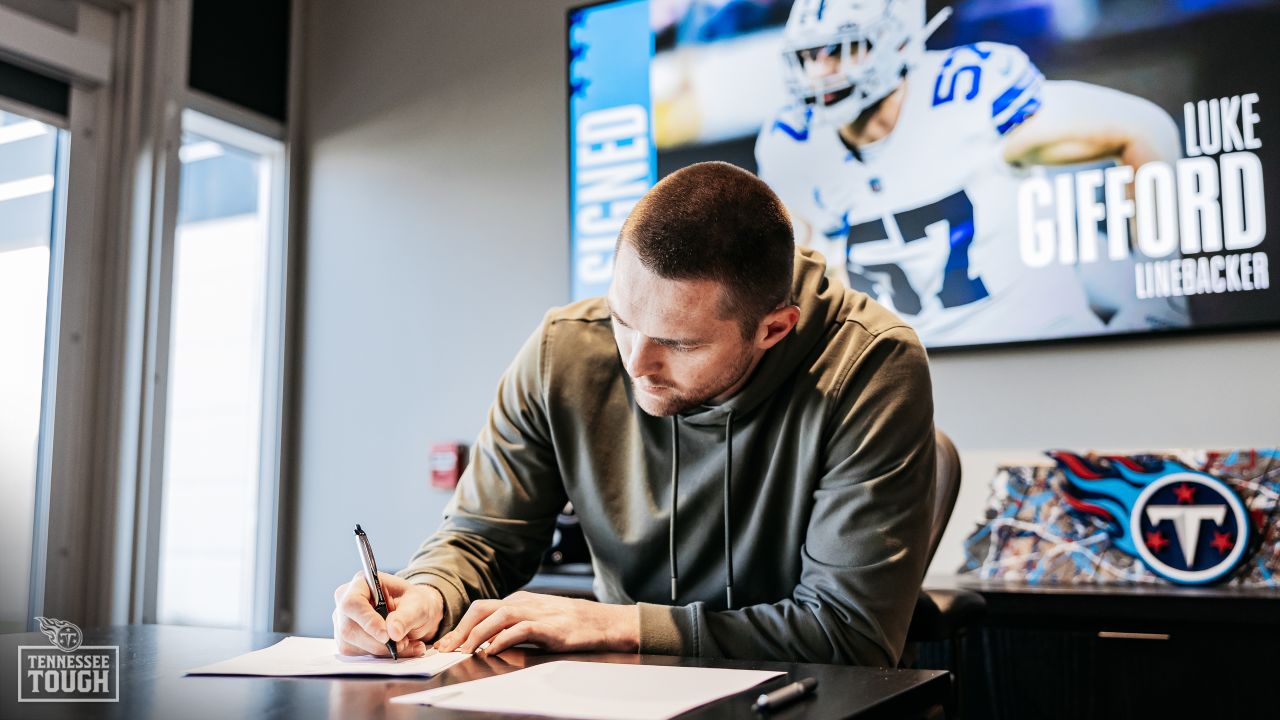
{"x": 353, "y": 634}
{"x": 343, "y": 645}
{"x": 355, "y": 605}
{"x": 393, "y": 586}
{"x": 359, "y": 586}
{"x": 411, "y": 617}
{"x": 406, "y": 620}
{"x": 497, "y": 621}
{"x": 523, "y": 631}
{"x": 371, "y": 622}
{"x": 359, "y": 629}
{"x": 410, "y": 648}
{"x": 478, "y": 611}
{"x": 353, "y": 640}
{"x": 420, "y": 631}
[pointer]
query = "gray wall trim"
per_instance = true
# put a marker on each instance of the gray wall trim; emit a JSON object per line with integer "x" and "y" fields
{"x": 156, "y": 220}
{"x": 281, "y": 619}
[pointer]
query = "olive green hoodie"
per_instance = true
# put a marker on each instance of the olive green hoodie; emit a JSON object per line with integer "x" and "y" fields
{"x": 830, "y": 487}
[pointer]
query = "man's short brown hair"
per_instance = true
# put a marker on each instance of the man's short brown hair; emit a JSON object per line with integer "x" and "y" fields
{"x": 716, "y": 221}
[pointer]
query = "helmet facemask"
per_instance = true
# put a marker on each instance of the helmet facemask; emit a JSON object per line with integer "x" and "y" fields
{"x": 842, "y": 63}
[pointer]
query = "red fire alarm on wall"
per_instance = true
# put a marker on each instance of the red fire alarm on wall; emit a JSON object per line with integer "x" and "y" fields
{"x": 448, "y": 460}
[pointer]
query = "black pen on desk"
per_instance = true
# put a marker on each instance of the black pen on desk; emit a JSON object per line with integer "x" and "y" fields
{"x": 785, "y": 695}
{"x": 371, "y": 577}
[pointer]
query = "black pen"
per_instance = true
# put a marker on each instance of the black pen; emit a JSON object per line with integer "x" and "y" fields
{"x": 371, "y": 577}
{"x": 784, "y": 695}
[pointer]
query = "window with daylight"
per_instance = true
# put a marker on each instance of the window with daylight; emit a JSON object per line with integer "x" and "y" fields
{"x": 30, "y": 173}
{"x": 217, "y": 442}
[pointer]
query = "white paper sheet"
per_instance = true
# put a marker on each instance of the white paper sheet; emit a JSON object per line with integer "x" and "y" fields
{"x": 296, "y": 656}
{"x": 600, "y": 691}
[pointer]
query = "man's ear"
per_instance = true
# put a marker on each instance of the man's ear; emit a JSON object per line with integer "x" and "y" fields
{"x": 776, "y": 325}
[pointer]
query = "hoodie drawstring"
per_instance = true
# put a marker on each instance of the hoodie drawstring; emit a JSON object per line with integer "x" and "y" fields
{"x": 675, "y": 483}
{"x": 728, "y": 523}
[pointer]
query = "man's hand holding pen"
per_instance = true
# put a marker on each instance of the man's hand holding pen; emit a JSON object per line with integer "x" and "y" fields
{"x": 415, "y": 612}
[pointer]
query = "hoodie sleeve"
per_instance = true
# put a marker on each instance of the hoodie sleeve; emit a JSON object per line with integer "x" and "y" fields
{"x": 864, "y": 553}
{"x": 503, "y": 512}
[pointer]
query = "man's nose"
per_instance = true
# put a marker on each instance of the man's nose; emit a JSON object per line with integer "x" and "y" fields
{"x": 644, "y": 358}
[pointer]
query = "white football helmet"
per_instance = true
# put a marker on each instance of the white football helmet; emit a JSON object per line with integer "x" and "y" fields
{"x": 842, "y": 56}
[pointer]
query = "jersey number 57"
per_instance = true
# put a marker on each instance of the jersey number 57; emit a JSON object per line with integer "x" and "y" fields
{"x": 957, "y": 287}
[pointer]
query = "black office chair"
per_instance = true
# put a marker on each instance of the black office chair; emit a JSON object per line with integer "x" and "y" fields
{"x": 946, "y": 480}
{"x": 943, "y": 615}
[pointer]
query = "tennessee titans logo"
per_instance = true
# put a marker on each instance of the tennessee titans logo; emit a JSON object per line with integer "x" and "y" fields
{"x": 1186, "y": 526}
{"x": 64, "y": 635}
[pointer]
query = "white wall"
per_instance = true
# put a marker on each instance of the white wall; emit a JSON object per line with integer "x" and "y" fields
{"x": 436, "y": 225}
{"x": 437, "y": 236}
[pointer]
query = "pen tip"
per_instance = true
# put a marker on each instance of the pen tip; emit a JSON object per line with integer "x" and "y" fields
{"x": 358, "y": 530}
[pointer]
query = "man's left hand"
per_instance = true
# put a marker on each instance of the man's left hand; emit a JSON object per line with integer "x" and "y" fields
{"x": 555, "y": 623}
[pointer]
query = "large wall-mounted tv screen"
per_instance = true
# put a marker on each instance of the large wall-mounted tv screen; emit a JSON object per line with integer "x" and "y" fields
{"x": 994, "y": 171}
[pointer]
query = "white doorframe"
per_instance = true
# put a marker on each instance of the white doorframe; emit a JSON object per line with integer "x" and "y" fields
{"x": 162, "y": 64}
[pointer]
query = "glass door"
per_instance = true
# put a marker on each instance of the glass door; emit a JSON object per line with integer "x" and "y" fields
{"x": 32, "y": 176}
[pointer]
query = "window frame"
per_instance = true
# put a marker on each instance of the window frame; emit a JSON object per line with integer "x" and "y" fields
{"x": 62, "y": 553}
{"x": 95, "y": 556}
{"x": 45, "y": 430}
{"x": 238, "y": 128}
{"x": 181, "y": 108}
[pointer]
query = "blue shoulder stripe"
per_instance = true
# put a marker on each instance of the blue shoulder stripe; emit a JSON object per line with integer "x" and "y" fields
{"x": 1027, "y": 110}
{"x": 1028, "y": 78}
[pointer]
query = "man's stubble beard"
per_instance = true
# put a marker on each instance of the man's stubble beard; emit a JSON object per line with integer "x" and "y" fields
{"x": 681, "y": 402}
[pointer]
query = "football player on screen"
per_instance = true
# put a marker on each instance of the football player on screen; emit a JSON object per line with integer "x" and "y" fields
{"x": 902, "y": 165}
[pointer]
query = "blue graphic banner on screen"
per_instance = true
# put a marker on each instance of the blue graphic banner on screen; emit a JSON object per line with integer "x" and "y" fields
{"x": 612, "y": 160}
{"x": 992, "y": 172}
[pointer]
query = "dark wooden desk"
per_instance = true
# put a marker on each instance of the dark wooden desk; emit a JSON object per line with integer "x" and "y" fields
{"x": 1071, "y": 651}
{"x": 154, "y": 658}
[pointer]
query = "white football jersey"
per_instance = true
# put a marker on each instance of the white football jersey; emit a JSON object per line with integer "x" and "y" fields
{"x": 925, "y": 220}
